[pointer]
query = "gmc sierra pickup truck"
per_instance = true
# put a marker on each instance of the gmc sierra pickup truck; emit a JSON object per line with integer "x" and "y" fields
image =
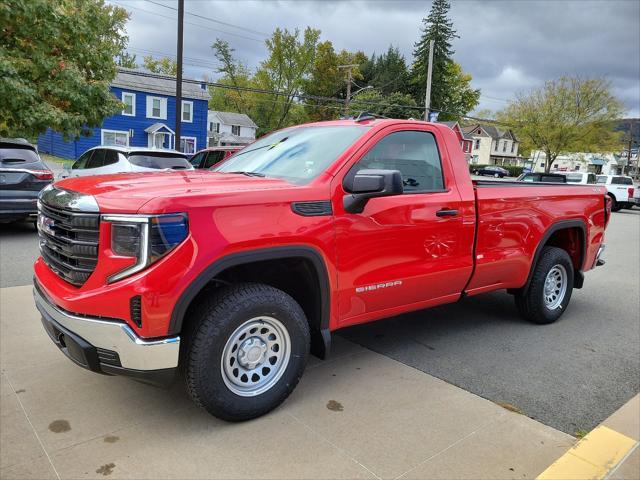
{"x": 233, "y": 276}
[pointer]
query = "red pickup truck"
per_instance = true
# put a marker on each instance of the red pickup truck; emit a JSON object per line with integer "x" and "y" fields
{"x": 233, "y": 276}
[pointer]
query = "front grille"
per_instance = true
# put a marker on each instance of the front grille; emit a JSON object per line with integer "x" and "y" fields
{"x": 69, "y": 242}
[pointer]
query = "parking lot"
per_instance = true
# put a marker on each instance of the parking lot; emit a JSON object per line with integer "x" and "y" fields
{"x": 405, "y": 397}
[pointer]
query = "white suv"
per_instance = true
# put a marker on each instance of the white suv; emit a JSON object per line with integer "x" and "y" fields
{"x": 103, "y": 160}
{"x": 583, "y": 178}
{"x": 620, "y": 189}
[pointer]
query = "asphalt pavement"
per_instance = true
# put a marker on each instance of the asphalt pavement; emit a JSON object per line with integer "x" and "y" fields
{"x": 570, "y": 375}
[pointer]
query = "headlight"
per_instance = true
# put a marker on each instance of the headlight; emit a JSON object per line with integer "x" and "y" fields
{"x": 147, "y": 238}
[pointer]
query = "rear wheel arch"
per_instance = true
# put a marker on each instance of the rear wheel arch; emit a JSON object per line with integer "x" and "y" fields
{"x": 569, "y": 235}
{"x": 307, "y": 283}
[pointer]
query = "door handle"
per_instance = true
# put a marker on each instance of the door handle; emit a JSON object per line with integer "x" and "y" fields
{"x": 447, "y": 212}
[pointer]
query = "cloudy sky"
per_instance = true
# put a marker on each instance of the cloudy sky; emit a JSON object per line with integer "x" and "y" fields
{"x": 507, "y": 46}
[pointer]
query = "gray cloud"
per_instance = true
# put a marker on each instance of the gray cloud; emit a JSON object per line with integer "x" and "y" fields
{"x": 507, "y": 46}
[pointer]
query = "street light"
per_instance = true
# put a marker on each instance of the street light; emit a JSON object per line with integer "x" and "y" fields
{"x": 351, "y": 95}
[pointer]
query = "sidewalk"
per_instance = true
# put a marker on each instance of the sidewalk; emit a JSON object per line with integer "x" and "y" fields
{"x": 358, "y": 415}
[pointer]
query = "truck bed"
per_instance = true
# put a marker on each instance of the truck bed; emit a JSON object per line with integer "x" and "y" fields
{"x": 511, "y": 218}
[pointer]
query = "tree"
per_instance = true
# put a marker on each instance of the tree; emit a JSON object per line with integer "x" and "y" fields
{"x": 234, "y": 74}
{"x": 389, "y": 72}
{"x": 162, "y": 66}
{"x": 56, "y": 65}
{"x": 395, "y": 105}
{"x": 570, "y": 114}
{"x": 451, "y": 89}
{"x": 127, "y": 60}
{"x": 325, "y": 80}
{"x": 285, "y": 70}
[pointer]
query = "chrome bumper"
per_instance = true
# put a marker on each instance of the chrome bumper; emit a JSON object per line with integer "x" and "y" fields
{"x": 135, "y": 353}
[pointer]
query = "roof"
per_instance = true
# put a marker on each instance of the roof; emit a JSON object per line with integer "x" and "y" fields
{"x": 133, "y": 79}
{"x": 491, "y": 130}
{"x": 156, "y": 127}
{"x": 449, "y": 124}
{"x": 127, "y": 150}
{"x": 232, "y": 118}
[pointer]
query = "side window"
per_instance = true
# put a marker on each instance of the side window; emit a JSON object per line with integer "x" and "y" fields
{"x": 110, "y": 157}
{"x": 97, "y": 159}
{"x": 82, "y": 161}
{"x": 415, "y": 154}
{"x": 213, "y": 158}
{"x": 196, "y": 160}
{"x": 591, "y": 178}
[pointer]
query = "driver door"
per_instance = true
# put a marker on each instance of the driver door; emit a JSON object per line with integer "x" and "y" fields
{"x": 406, "y": 251}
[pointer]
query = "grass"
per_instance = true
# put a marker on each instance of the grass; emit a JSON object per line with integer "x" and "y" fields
{"x": 580, "y": 434}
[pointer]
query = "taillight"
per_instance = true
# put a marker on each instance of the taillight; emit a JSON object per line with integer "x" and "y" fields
{"x": 630, "y": 191}
{"x": 41, "y": 174}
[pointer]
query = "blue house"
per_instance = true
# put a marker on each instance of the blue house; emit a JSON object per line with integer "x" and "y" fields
{"x": 148, "y": 118}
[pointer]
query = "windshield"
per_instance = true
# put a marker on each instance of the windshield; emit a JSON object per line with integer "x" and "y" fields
{"x": 159, "y": 160}
{"x": 294, "y": 154}
{"x": 602, "y": 179}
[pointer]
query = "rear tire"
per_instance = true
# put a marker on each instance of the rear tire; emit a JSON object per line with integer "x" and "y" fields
{"x": 549, "y": 291}
{"x": 496, "y": 175}
{"x": 615, "y": 206}
{"x": 246, "y": 350}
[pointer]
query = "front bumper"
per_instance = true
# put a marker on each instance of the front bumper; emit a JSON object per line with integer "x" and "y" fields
{"x": 107, "y": 345}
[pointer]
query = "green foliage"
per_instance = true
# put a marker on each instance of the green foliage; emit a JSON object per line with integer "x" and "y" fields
{"x": 127, "y": 60}
{"x": 570, "y": 114}
{"x": 451, "y": 89}
{"x": 162, "y": 66}
{"x": 56, "y": 64}
{"x": 395, "y": 105}
{"x": 388, "y": 73}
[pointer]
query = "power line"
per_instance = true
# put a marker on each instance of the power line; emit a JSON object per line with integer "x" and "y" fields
{"x": 188, "y": 23}
{"x": 211, "y": 19}
{"x": 304, "y": 96}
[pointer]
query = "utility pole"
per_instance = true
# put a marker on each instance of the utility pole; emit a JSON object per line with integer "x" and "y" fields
{"x": 427, "y": 98}
{"x": 349, "y": 81}
{"x": 176, "y": 143}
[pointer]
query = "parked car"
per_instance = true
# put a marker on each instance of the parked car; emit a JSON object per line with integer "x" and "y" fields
{"x": 542, "y": 177}
{"x": 492, "y": 171}
{"x": 583, "y": 178}
{"x": 235, "y": 274}
{"x": 209, "y": 157}
{"x": 113, "y": 159}
{"x": 22, "y": 175}
{"x": 620, "y": 189}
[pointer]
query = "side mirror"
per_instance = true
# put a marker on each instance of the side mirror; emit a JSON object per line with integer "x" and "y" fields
{"x": 366, "y": 184}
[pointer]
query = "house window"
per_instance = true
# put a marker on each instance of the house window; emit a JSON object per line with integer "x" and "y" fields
{"x": 187, "y": 111}
{"x": 477, "y": 146}
{"x": 157, "y": 108}
{"x": 504, "y": 146}
{"x": 188, "y": 145}
{"x": 129, "y": 100}
{"x": 513, "y": 146}
{"x": 114, "y": 137}
{"x": 542, "y": 164}
{"x": 235, "y": 130}
{"x": 215, "y": 127}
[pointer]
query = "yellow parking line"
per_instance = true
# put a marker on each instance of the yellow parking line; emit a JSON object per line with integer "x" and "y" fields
{"x": 593, "y": 457}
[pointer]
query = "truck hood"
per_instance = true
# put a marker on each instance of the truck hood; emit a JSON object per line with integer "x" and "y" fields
{"x": 129, "y": 192}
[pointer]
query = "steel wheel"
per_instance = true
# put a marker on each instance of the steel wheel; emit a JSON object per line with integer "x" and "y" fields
{"x": 255, "y": 356}
{"x": 555, "y": 287}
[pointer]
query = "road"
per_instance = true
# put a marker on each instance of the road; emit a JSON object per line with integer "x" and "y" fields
{"x": 570, "y": 375}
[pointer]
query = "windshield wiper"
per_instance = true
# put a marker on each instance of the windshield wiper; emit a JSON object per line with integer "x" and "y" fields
{"x": 248, "y": 174}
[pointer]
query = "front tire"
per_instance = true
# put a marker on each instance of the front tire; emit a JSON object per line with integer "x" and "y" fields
{"x": 549, "y": 291}
{"x": 246, "y": 351}
{"x": 496, "y": 175}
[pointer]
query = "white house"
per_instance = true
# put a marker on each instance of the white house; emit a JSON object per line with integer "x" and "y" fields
{"x": 229, "y": 128}
{"x": 492, "y": 145}
{"x": 605, "y": 163}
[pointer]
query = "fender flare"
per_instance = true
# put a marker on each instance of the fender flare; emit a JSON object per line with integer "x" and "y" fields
{"x": 250, "y": 256}
{"x": 561, "y": 225}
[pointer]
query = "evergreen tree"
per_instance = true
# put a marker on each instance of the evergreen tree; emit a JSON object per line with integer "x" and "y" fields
{"x": 450, "y": 87}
